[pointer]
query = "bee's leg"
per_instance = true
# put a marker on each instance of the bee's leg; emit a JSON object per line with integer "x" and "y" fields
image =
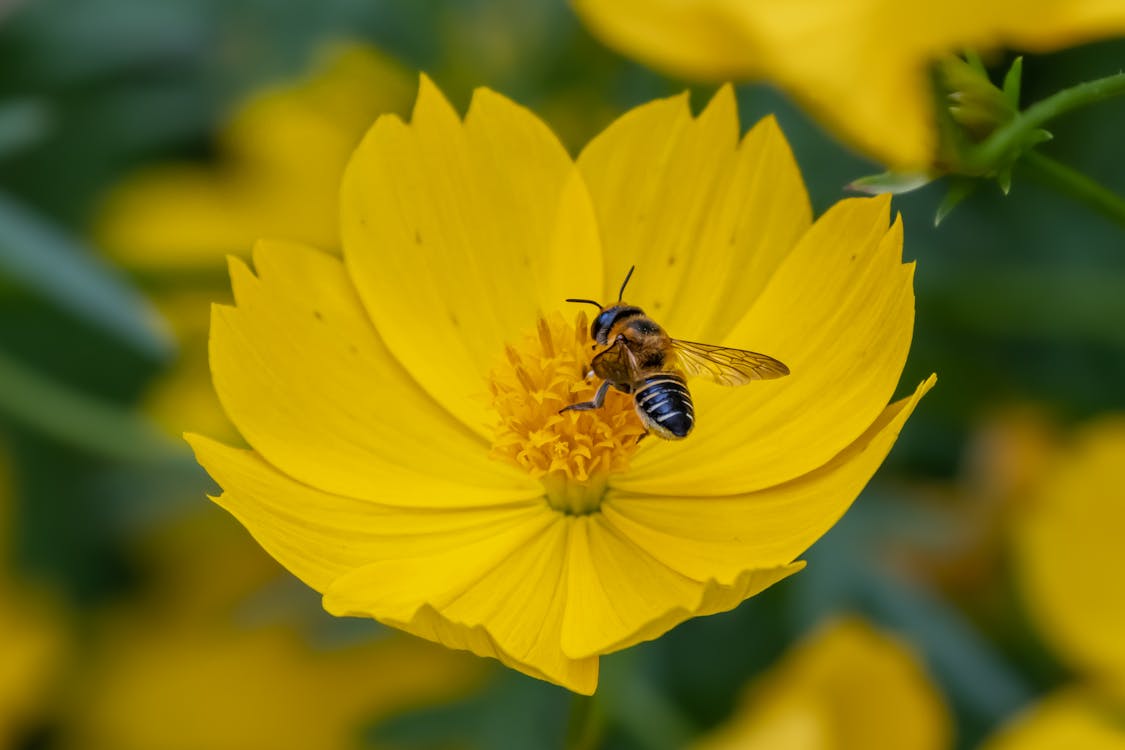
{"x": 641, "y": 437}
{"x": 599, "y": 399}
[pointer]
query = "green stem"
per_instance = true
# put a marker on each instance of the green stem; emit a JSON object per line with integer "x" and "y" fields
{"x": 76, "y": 419}
{"x": 1001, "y": 143}
{"x": 1076, "y": 185}
{"x": 584, "y": 728}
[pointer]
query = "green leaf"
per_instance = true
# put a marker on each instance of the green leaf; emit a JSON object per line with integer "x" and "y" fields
{"x": 39, "y": 257}
{"x": 1012, "y": 82}
{"x": 23, "y": 123}
{"x": 78, "y": 420}
{"x": 959, "y": 190}
{"x": 1004, "y": 179}
{"x": 890, "y": 182}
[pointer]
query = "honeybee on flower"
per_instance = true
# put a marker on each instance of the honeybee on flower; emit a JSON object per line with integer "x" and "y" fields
{"x": 647, "y": 363}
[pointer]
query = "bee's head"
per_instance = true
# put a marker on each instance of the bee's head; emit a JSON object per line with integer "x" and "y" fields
{"x": 608, "y": 317}
{"x": 610, "y": 314}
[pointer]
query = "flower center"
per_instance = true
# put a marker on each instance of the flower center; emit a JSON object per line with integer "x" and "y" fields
{"x": 572, "y": 453}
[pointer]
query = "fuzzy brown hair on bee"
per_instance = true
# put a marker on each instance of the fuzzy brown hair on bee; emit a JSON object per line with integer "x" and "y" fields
{"x": 636, "y": 356}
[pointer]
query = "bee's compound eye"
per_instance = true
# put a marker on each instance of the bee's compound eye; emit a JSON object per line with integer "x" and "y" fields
{"x": 601, "y": 323}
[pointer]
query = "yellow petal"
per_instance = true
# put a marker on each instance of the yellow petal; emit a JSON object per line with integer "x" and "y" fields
{"x": 720, "y": 537}
{"x": 1068, "y": 719}
{"x": 693, "y": 38}
{"x": 458, "y": 235}
{"x": 620, "y": 595}
{"x": 301, "y": 372}
{"x": 840, "y": 313}
{"x": 502, "y": 597}
{"x": 1068, "y": 551}
{"x": 706, "y": 219}
{"x": 846, "y": 686}
{"x": 648, "y": 563}
{"x": 320, "y": 536}
{"x": 863, "y": 68}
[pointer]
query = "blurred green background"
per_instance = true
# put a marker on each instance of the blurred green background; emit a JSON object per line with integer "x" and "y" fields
{"x": 120, "y": 576}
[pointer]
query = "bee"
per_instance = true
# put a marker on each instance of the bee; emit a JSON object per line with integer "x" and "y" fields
{"x": 640, "y": 359}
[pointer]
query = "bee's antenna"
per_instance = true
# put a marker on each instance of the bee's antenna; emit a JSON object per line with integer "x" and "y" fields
{"x": 587, "y": 301}
{"x": 625, "y": 282}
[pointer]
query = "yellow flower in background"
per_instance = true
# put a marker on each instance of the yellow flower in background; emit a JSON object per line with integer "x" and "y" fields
{"x": 159, "y": 685}
{"x": 1069, "y": 556}
{"x": 280, "y": 159}
{"x": 1068, "y": 719}
{"x": 32, "y": 640}
{"x": 209, "y": 658}
{"x": 408, "y": 458}
{"x": 848, "y": 686}
{"x": 862, "y": 68}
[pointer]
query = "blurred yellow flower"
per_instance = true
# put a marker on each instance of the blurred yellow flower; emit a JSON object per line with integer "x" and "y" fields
{"x": 1068, "y": 719}
{"x": 168, "y": 686}
{"x": 207, "y": 660}
{"x": 409, "y": 460}
{"x": 278, "y": 172}
{"x": 1068, "y": 551}
{"x": 846, "y": 687}
{"x": 32, "y": 640}
{"x": 863, "y": 68}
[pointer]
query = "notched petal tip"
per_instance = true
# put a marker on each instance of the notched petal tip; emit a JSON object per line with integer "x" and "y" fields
{"x": 431, "y": 103}
{"x": 721, "y": 114}
{"x": 581, "y": 639}
{"x": 581, "y": 675}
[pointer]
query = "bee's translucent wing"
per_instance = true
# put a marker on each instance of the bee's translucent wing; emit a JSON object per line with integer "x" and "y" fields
{"x": 726, "y": 366}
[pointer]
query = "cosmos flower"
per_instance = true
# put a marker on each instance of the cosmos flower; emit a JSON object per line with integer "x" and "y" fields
{"x": 279, "y": 160}
{"x": 206, "y": 655}
{"x": 408, "y": 457}
{"x": 1068, "y": 555}
{"x": 1071, "y": 717}
{"x": 863, "y": 69}
{"x": 847, "y": 686}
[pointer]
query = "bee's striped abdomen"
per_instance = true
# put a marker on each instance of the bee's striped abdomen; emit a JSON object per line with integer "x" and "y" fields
{"x": 664, "y": 405}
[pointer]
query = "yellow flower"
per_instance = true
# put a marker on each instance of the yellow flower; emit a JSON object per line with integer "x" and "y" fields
{"x": 193, "y": 664}
{"x": 280, "y": 160}
{"x": 278, "y": 173}
{"x": 1068, "y": 551}
{"x": 1071, "y": 718}
{"x": 846, "y": 687}
{"x": 408, "y": 456}
{"x": 862, "y": 68}
{"x": 164, "y": 685}
{"x": 32, "y": 641}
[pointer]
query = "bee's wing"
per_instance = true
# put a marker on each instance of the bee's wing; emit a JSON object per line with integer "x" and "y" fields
{"x": 725, "y": 366}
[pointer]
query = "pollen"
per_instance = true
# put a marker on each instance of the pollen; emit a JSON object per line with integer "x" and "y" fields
{"x": 572, "y": 453}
